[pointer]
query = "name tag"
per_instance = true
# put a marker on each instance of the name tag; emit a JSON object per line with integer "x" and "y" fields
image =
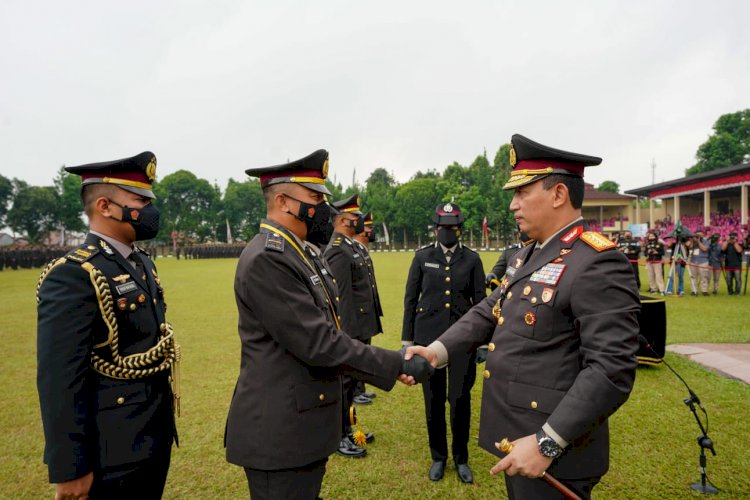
{"x": 432, "y": 264}
{"x": 130, "y": 286}
{"x": 511, "y": 271}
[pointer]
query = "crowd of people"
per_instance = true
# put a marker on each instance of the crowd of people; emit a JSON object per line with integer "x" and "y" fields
{"x": 709, "y": 255}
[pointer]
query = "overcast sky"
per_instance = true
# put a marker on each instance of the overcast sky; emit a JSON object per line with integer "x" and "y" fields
{"x": 219, "y": 86}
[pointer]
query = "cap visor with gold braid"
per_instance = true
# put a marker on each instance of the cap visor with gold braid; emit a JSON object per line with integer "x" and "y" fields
{"x": 352, "y": 205}
{"x": 310, "y": 171}
{"x": 135, "y": 174}
{"x": 532, "y": 161}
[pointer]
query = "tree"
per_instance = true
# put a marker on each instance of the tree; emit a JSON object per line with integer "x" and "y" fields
{"x": 728, "y": 145}
{"x": 189, "y": 205}
{"x": 35, "y": 211}
{"x": 415, "y": 204}
{"x": 379, "y": 196}
{"x": 609, "y": 186}
{"x": 69, "y": 208}
{"x": 6, "y": 195}
{"x": 244, "y": 207}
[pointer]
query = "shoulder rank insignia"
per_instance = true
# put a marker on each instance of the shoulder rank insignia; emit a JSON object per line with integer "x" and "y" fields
{"x": 82, "y": 254}
{"x": 274, "y": 242}
{"x": 597, "y": 241}
{"x": 336, "y": 242}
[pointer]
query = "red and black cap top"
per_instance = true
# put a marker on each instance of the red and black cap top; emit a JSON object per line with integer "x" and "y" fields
{"x": 532, "y": 161}
{"x": 352, "y": 205}
{"x": 135, "y": 174}
{"x": 310, "y": 171}
{"x": 368, "y": 219}
{"x": 448, "y": 214}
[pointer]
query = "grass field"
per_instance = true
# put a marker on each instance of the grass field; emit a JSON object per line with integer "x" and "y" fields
{"x": 654, "y": 451}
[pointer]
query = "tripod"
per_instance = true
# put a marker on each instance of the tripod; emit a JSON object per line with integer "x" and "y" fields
{"x": 704, "y": 441}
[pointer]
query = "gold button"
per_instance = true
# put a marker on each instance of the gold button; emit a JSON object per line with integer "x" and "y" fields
{"x": 491, "y": 347}
{"x": 132, "y": 307}
{"x": 510, "y": 294}
{"x": 447, "y": 268}
{"x": 334, "y": 280}
{"x": 533, "y": 300}
{"x": 120, "y": 400}
{"x": 486, "y": 374}
{"x": 163, "y": 327}
{"x": 447, "y": 279}
{"x": 447, "y": 305}
{"x": 322, "y": 397}
{"x": 420, "y": 309}
{"x": 501, "y": 320}
{"x": 526, "y": 290}
{"x": 154, "y": 301}
{"x": 337, "y": 299}
{"x": 447, "y": 292}
{"x": 534, "y": 405}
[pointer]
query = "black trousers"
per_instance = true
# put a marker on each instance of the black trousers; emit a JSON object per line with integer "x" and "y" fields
{"x": 460, "y": 375}
{"x": 299, "y": 483}
{"x": 143, "y": 480}
{"x": 348, "y": 386}
{"x": 523, "y": 488}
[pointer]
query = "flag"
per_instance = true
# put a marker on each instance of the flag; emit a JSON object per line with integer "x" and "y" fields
{"x": 486, "y": 232}
{"x": 385, "y": 235}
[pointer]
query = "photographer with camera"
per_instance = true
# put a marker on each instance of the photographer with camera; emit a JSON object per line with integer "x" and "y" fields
{"x": 654, "y": 252}
{"x": 698, "y": 263}
{"x": 678, "y": 258}
{"x": 715, "y": 264}
{"x": 733, "y": 250}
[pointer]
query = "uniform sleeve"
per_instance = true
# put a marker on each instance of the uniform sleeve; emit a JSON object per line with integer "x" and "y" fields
{"x": 341, "y": 267}
{"x": 477, "y": 281}
{"x": 297, "y": 324}
{"x": 473, "y": 329}
{"x": 501, "y": 265}
{"x": 605, "y": 304}
{"x": 411, "y": 297}
{"x": 66, "y": 313}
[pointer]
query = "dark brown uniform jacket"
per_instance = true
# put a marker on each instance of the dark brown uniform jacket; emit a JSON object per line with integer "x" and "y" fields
{"x": 359, "y": 315}
{"x": 93, "y": 422}
{"x": 286, "y": 407}
{"x": 373, "y": 283}
{"x": 562, "y": 349}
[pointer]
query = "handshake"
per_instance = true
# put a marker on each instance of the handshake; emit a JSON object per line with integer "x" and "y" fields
{"x": 416, "y": 367}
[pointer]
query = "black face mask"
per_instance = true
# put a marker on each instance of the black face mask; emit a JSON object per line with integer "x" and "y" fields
{"x": 372, "y": 238}
{"x": 317, "y": 219}
{"x": 144, "y": 220}
{"x": 358, "y": 225}
{"x": 448, "y": 237}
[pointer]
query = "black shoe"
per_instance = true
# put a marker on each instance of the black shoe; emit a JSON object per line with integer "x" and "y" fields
{"x": 437, "y": 469}
{"x": 361, "y": 400}
{"x": 350, "y": 450}
{"x": 369, "y": 395}
{"x": 694, "y": 294}
{"x": 705, "y": 294}
{"x": 464, "y": 473}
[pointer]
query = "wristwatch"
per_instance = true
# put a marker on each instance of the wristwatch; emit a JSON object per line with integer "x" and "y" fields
{"x": 548, "y": 446}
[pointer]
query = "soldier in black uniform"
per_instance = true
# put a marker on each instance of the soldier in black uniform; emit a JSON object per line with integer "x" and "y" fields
{"x": 632, "y": 250}
{"x": 106, "y": 355}
{"x": 492, "y": 280}
{"x": 446, "y": 279}
{"x": 359, "y": 316}
{"x": 285, "y": 416}
{"x": 562, "y": 329}
{"x": 363, "y": 241}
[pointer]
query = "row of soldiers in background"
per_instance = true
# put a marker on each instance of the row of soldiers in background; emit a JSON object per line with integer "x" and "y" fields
{"x": 29, "y": 257}
{"x": 706, "y": 257}
{"x": 210, "y": 251}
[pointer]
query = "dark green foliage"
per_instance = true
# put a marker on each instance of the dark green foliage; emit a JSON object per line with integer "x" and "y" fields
{"x": 729, "y": 144}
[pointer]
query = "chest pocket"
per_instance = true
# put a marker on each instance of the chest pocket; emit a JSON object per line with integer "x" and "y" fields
{"x": 537, "y": 316}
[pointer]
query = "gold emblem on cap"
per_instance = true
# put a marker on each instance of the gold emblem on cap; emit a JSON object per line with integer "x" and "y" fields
{"x": 512, "y": 156}
{"x": 359, "y": 201}
{"x": 151, "y": 169}
{"x": 324, "y": 170}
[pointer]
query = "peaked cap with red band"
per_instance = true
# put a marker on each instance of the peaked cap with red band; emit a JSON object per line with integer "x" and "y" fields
{"x": 310, "y": 171}
{"x": 352, "y": 205}
{"x": 532, "y": 161}
{"x": 135, "y": 174}
{"x": 448, "y": 214}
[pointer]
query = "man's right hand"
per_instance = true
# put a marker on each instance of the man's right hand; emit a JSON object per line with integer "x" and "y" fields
{"x": 425, "y": 352}
{"x": 75, "y": 489}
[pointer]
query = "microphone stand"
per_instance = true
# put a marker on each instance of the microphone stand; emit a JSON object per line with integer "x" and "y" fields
{"x": 704, "y": 441}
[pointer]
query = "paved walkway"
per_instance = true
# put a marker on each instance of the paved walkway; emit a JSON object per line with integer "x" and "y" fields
{"x": 732, "y": 360}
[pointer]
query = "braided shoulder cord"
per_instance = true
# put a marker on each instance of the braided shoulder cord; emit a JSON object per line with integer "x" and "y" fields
{"x": 53, "y": 264}
{"x": 157, "y": 359}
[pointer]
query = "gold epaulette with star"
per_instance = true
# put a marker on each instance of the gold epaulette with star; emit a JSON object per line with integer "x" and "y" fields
{"x": 597, "y": 241}
{"x": 82, "y": 253}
